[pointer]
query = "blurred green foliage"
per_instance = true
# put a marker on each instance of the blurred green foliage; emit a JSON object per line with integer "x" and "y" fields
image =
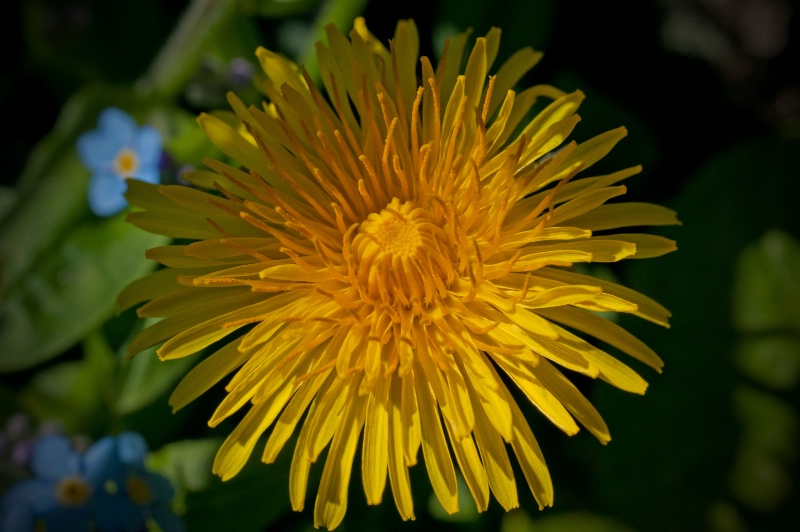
{"x": 712, "y": 446}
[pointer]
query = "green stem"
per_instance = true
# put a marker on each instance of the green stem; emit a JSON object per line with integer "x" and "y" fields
{"x": 178, "y": 59}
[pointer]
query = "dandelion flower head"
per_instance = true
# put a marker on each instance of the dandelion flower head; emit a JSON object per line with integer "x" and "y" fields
{"x": 378, "y": 261}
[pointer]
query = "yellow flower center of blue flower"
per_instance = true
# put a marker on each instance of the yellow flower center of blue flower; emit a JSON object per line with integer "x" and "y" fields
{"x": 72, "y": 491}
{"x": 126, "y": 163}
{"x": 138, "y": 491}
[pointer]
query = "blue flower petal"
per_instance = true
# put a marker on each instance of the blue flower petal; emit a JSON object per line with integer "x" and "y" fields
{"x": 117, "y": 124}
{"x": 160, "y": 487}
{"x": 68, "y": 519}
{"x": 18, "y": 518}
{"x": 53, "y": 458}
{"x": 147, "y": 145}
{"x": 35, "y": 495}
{"x": 113, "y": 513}
{"x": 166, "y": 519}
{"x": 97, "y": 150}
{"x": 148, "y": 175}
{"x": 100, "y": 462}
{"x": 106, "y": 195}
{"x": 132, "y": 449}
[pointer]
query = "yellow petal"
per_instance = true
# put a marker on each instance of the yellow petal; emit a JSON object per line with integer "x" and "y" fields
{"x": 374, "y": 459}
{"x": 646, "y": 307}
{"x": 626, "y": 215}
{"x": 569, "y": 396}
{"x": 192, "y": 339}
{"x": 469, "y": 463}
{"x": 605, "y": 331}
{"x": 148, "y": 287}
{"x": 206, "y": 374}
{"x": 331, "y": 503}
{"x": 647, "y": 246}
{"x": 287, "y": 422}
{"x": 398, "y": 471}
{"x": 434, "y": 449}
{"x": 537, "y": 393}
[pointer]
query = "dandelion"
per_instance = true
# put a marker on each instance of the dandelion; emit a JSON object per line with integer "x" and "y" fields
{"x": 114, "y": 152}
{"x": 378, "y": 262}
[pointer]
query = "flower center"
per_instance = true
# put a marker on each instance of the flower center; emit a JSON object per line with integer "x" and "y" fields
{"x": 126, "y": 163}
{"x": 72, "y": 491}
{"x": 138, "y": 490}
{"x": 402, "y": 256}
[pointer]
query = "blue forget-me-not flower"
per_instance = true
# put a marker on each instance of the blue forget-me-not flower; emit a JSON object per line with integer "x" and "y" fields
{"x": 58, "y": 497}
{"x": 117, "y": 150}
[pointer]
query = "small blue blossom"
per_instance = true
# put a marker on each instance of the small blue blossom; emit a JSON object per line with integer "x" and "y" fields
{"x": 118, "y": 150}
{"x": 136, "y": 495}
{"x": 58, "y": 498}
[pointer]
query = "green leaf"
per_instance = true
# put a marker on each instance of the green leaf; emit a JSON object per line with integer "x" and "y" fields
{"x": 71, "y": 290}
{"x": 759, "y": 480}
{"x": 186, "y": 463}
{"x": 277, "y": 8}
{"x": 201, "y": 23}
{"x": 75, "y": 392}
{"x": 773, "y": 361}
{"x": 767, "y": 290}
{"x": 249, "y": 502}
{"x": 468, "y": 510}
{"x": 769, "y": 425}
{"x": 144, "y": 378}
{"x": 50, "y": 196}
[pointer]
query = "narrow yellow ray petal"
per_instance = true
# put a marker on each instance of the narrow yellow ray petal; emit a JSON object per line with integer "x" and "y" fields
{"x": 207, "y": 332}
{"x": 398, "y": 470}
{"x": 469, "y": 462}
{"x": 206, "y": 374}
{"x": 610, "y": 369}
{"x": 572, "y": 399}
{"x": 294, "y": 410}
{"x": 627, "y": 214}
{"x": 647, "y": 246}
{"x": 158, "y": 283}
{"x": 375, "y": 457}
{"x": 172, "y": 326}
{"x": 409, "y": 409}
{"x": 512, "y": 71}
{"x": 231, "y": 142}
{"x": 324, "y": 421}
{"x": 331, "y": 503}
{"x": 530, "y": 459}
{"x": 537, "y": 393}
{"x": 434, "y": 448}
{"x": 606, "y": 331}
{"x": 495, "y": 460}
{"x": 236, "y": 449}
{"x": 646, "y": 307}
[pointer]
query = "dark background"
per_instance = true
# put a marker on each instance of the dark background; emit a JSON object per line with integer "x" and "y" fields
{"x": 710, "y": 93}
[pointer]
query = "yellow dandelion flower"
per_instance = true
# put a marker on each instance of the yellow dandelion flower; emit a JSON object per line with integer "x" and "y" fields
{"x": 386, "y": 251}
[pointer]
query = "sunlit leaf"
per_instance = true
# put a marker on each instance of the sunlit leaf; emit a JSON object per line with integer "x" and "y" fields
{"x": 71, "y": 290}
{"x": 186, "y": 463}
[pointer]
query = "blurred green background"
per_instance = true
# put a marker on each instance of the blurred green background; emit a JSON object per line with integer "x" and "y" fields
{"x": 710, "y": 94}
